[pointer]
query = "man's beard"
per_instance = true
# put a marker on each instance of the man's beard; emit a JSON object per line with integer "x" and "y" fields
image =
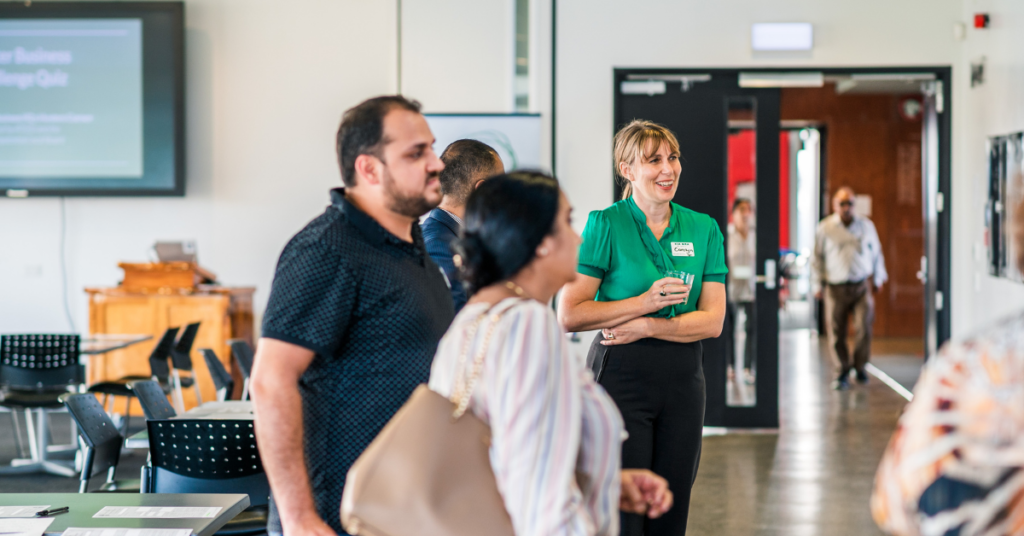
{"x": 412, "y": 206}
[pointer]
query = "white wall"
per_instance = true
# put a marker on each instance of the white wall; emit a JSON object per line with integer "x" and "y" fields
{"x": 994, "y": 108}
{"x": 267, "y": 82}
{"x": 457, "y": 55}
{"x": 595, "y": 36}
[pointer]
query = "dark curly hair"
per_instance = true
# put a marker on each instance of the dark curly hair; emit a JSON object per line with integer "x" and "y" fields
{"x": 506, "y": 218}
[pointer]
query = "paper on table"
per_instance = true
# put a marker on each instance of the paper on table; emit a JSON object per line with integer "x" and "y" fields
{"x": 74, "y": 531}
{"x": 159, "y": 512}
{"x": 22, "y": 511}
{"x": 20, "y": 526}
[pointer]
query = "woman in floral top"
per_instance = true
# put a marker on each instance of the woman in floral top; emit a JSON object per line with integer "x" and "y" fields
{"x": 955, "y": 465}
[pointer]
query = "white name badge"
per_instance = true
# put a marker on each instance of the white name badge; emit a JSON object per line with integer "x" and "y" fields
{"x": 682, "y": 249}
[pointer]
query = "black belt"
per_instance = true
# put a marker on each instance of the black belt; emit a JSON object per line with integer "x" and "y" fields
{"x": 848, "y": 283}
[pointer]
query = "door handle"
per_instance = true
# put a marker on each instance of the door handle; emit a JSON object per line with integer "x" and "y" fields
{"x": 769, "y": 278}
{"x": 922, "y": 275}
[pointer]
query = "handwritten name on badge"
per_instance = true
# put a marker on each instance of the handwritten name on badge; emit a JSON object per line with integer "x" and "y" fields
{"x": 682, "y": 249}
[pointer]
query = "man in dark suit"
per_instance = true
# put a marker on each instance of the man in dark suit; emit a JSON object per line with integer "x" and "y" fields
{"x": 466, "y": 164}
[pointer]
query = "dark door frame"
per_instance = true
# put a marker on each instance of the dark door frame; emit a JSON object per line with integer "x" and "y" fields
{"x": 699, "y": 116}
{"x": 942, "y": 74}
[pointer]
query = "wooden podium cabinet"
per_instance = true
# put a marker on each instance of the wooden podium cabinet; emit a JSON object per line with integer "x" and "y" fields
{"x": 225, "y": 313}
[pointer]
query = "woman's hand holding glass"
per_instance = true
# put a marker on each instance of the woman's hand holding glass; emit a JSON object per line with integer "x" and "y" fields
{"x": 665, "y": 292}
{"x": 686, "y": 277}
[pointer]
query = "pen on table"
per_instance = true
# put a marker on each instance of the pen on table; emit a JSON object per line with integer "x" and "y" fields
{"x": 52, "y": 511}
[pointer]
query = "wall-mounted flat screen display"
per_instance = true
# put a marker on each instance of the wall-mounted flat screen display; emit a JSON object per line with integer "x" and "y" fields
{"x": 91, "y": 98}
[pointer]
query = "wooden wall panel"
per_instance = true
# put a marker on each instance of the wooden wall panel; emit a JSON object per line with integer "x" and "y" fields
{"x": 872, "y": 148}
{"x": 223, "y": 314}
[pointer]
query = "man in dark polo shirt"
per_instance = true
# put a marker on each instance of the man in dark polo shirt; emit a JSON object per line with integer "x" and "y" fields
{"x": 355, "y": 314}
{"x": 466, "y": 164}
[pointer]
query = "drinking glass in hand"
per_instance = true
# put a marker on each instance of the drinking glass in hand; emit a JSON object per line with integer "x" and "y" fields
{"x": 686, "y": 277}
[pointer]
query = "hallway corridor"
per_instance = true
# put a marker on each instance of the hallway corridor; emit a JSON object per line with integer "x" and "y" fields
{"x": 814, "y": 477}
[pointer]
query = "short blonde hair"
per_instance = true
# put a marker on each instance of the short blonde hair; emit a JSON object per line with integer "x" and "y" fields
{"x": 633, "y": 141}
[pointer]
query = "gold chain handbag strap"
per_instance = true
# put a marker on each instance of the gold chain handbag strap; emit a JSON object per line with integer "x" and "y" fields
{"x": 463, "y": 391}
{"x": 459, "y": 386}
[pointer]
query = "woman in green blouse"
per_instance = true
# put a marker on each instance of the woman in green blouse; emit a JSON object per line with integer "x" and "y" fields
{"x": 635, "y": 262}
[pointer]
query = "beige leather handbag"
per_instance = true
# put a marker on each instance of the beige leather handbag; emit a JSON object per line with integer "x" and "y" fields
{"x": 428, "y": 473}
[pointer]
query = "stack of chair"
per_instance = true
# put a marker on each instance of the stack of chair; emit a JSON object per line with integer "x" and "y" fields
{"x": 244, "y": 358}
{"x": 159, "y": 370}
{"x": 222, "y": 379}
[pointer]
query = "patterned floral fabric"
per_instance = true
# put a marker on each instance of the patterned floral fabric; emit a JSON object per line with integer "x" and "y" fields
{"x": 953, "y": 467}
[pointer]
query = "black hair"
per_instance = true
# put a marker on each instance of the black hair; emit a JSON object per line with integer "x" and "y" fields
{"x": 362, "y": 131}
{"x": 739, "y": 201}
{"x": 507, "y": 217}
{"x": 465, "y": 160}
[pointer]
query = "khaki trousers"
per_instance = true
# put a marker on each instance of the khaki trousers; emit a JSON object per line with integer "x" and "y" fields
{"x": 843, "y": 301}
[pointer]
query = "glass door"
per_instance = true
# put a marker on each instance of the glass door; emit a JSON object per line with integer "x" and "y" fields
{"x": 729, "y": 139}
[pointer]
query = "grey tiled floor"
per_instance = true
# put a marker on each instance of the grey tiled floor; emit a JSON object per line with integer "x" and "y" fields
{"x": 814, "y": 477}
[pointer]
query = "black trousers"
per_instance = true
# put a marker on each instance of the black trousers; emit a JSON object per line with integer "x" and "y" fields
{"x": 659, "y": 388}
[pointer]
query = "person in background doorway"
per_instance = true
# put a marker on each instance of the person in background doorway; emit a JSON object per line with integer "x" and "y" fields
{"x": 355, "y": 314}
{"x": 648, "y": 354}
{"x": 848, "y": 268}
{"x": 466, "y": 164}
{"x": 742, "y": 256}
{"x": 955, "y": 464}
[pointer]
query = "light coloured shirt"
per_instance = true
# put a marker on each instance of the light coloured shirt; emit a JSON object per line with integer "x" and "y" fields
{"x": 847, "y": 254}
{"x": 742, "y": 256}
{"x": 556, "y": 436}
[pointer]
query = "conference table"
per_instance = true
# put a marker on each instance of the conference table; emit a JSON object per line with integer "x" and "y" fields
{"x": 83, "y": 506}
{"x": 222, "y": 410}
{"x": 102, "y": 343}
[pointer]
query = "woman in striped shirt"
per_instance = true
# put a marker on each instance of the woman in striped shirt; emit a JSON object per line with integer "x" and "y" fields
{"x": 555, "y": 434}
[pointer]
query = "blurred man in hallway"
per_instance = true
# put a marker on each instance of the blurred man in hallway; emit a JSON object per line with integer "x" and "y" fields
{"x": 848, "y": 268}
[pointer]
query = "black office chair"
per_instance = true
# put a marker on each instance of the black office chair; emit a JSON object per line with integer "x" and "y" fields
{"x": 181, "y": 358}
{"x": 210, "y": 456}
{"x": 35, "y": 370}
{"x": 102, "y": 443}
{"x": 244, "y": 358}
{"x": 158, "y": 367}
{"x": 153, "y": 399}
{"x": 222, "y": 379}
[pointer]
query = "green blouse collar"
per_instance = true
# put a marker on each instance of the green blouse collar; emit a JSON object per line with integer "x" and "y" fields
{"x": 657, "y": 253}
